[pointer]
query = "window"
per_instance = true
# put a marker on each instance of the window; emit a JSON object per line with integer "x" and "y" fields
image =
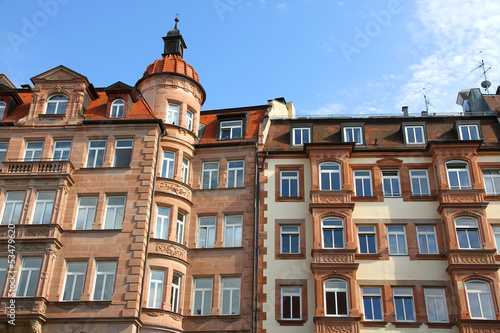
{"x": 301, "y": 136}
{"x": 458, "y": 175}
{"x": 62, "y": 150}
{"x": 86, "y": 213}
{"x": 496, "y": 233}
{"x": 291, "y": 302}
{"x": 173, "y": 114}
{"x": 57, "y": 104}
{"x": 167, "y": 166}
{"x": 231, "y": 129}
{"x": 336, "y": 297}
{"x": 362, "y": 184}
{"x": 333, "y": 233}
{"x": 28, "y": 279}
{"x": 353, "y": 134}
{"x": 2, "y": 110}
{"x": 414, "y": 135}
{"x": 3, "y": 151}
{"x": 115, "y": 211}
{"x": 174, "y": 293}
{"x": 95, "y": 157}
{"x": 185, "y": 170}
{"x": 329, "y": 174}
{"x": 467, "y": 233}
{"x": 367, "y": 240}
{"x": 397, "y": 240}
{"x": 372, "y": 303}
{"x": 33, "y": 151}
{"x": 235, "y": 174}
{"x": 390, "y": 183}
{"x": 206, "y": 232}
{"x": 104, "y": 280}
{"x": 75, "y": 277}
{"x": 403, "y": 304}
{"x": 290, "y": 239}
{"x": 233, "y": 231}
{"x": 210, "y": 175}
{"x": 13, "y": 207}
{"x": 189, "y": 120}
{"x": 202, "y": 297}
{"x": 4, "y": 263}
{"x": 468, "y": 132}
{"x": 231, "y": 295}
{"x": 155, "y": 289}
{"x": 427, "y": 240}
{"x": 123, "y": 153}
{"x": 43, "y": 207}
{"x": 117, "y": 108}
{"x": 479, "y": 300}
{"x": 419, "y": 183}
{"x": 289, "y": 184}
{"x": 491, "y": 181}
{"x": 435, "y": 302}
{"x": 181, "y": 218}
{"x": 162, "y": 216}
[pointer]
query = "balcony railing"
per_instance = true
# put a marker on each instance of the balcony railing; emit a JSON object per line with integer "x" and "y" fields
{"x": 34, "y": 168}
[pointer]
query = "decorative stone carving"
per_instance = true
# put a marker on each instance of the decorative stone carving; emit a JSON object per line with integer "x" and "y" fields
{"x": 171, "y": 250}
{"x": 323, "y": 257}
{"x": 59, "y": 76}
{"x": 175, "y": 316}
{"x": 37, "y": 232}
{"x": 67, "y": 305}
{"x": 338, "y": 328}
{"x": 97, "y": 305}
{"x": 174, "y": 188}
{"x": 36, "y": 326}
{"x": 153, "y": 313}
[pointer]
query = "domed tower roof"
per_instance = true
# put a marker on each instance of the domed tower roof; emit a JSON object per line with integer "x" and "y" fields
{"x": 172, "y": 63}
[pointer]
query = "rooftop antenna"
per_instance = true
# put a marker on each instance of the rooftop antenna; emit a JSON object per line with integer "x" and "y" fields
{"x": 426, "y": 99}
{"x": 485, "y": 84}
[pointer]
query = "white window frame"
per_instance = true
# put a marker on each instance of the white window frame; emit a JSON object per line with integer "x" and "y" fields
{"x": 31, "y": 275}
{"x": 206, "y": 232}
{"x": 372, "y": 293}
{"x": 211, "y": 173}
{"x": 287, "y": 177}
{"x": 293, "y": 236}
{"x": 15, "y": 211}
{"x": 392, "y": 232}
{"x": 332, "y": 225}
{"x": 470, "y": 226}
{"x": 291, "y": 292}
{"x": 238, "y": 171}
{"x": 61, "y": 153}
{"x": 363, "y": 178}
{"x": 189, "y": 120}
{"x": 3, "y": 106}
{"x": 88, "y": 211}
{"x": 233, "y": 231}
{"x": 185, "y": 170}
{"x": 118, "y": 211}
{"x": 3, "y": 151}
{"x": 162, "y": 222}
{"x": 403, "y": 293}
{"x": 42, "y": 214}
{"x": 422, "y": 180}
{"x": 77, "y": 277}
{"x": 350, "y": 134}
{"x": 336, "y": 290}
{"x": 179, "y": 232}
{"x": 167, "y": 165}
{"x": 129, "y": 147}
{"x": 331, "y": 170}
{"x": 428, "y": 233}
{"x": 175, "y": 293}
{"x": 234, "y": 296}
{"x": 99, "y": 295}
{"x": 155, "y": 294}
{"x": 364, "y": 232}
{"x": 173, "y": 114}
{"x": 412, "y": 131}
{"x": 466, "y": 129}
{"x": 231, "y": 126}
{"x": 303, "y": 134}
{"x": 98, "y": 153}
{"x": 496, "y": 234}
{"x": 485, "y": 301}
{"x": 203, "y": 292}
{"x": 60, "y": 104}
{"x": 458, "y": 170}
{"x": 390, "y": 190}
{"x": 4, "y": 262}
{"x": 33, "y": 153}
{"x": 117, "y": 109}
{"x": 491, "y": 180}
{"x": 435, "y": 298}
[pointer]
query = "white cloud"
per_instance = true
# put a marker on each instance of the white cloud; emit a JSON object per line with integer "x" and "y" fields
{"x": 328, "y": 110}
{"x": 281, "y": 6}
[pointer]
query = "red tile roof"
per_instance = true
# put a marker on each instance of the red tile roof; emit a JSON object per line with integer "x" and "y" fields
{"x": 172, "y": 63}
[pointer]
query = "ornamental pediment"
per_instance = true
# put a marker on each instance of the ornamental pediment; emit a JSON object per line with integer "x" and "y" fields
{"x": 59, "y": 73}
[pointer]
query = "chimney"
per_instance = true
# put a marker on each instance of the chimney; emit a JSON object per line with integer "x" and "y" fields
{"x": 405, "y": 110}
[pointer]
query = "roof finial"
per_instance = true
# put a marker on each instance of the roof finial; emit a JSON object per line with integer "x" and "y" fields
{"x": 176, "y": 21}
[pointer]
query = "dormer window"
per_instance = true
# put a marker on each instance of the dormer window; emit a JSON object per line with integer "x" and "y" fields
{"x": 117, "y": 108}
{"x": 468, "y": 132}
{"x": 414, "y": 135}
{"x": 173, "y": 114}
{"x": 353, "y": 133}
{"x": 231, "y": 129}
{"x": 301, "y": 135}
{"x": 2, "y": 109}
{"x": 57, "y": 104}
{"x": 189, "y": 120}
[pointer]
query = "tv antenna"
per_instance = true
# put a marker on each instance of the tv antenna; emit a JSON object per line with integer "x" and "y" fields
{"x": 426, "y": 99}
{"x": 485, "y": 84}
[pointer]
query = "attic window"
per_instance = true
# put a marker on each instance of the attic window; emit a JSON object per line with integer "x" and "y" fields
{"x": 231, "y": 129}
{"x": 2, "y": 109}
{"x": 117, "y": 108}
{"x": 57, "y": 104}
{"x": 353, "y": 133}
{"x": 468, "y": 132}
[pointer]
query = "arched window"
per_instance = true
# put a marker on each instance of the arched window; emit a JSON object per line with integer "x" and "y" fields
{"x": 336, "y": 298}
{"x": 329, "y": 174}
{"x": 467, "y": 233}
{"x": 57, "y": 104}
{"x": 117, "y": 108}
{"x": 479, "y": 300}
{"x": 2, "y": 109}
{"x": 333, "y": 233}
{"x": 458, "y": 175}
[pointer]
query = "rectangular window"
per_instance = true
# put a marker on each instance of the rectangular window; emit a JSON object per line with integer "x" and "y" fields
{"x": 419, "y": 183}
{"x": 301, "y": 136}
{"x": 162, "y": 216}
{"x": 468, "y": 233}
{"x": 492, "y": 182}
{"x": 496, "y": 233}
{"x": 4, "y": 262}
{"x": 202, "y": 297}
{"x": 403, "y": 304}
{"x": 13, "y": 207}
{"x": 155, "y": 289}
{"x": 185, "y": 170}
{"x": 173, "y": 114}
{"x": 291, "y": 303}
{"x": 174, "y": 293}
{"x": 435, "y": 302}
{"x": 167, "y": 165}
{"x": 104, "y": 280}
{"x": 333, "y": 233}
{"x": 3, "y": 151}
{"x": 95, "y": 157}
{"x": 231, "y": 129}
{"x": 367, "y": 240}
{"x": 427, "y": 243}
{"x": 62, "y": 149}
{"x": 43, "y": 207}
{"x": 206, "y": 232}
{"x": 396, "y": 237}
{"x": 468, "y": 132}
{"x": 179, "y": 232}
{"x": 75, "y": 278}
{"x": 233, "y": 231}
{"x": 362, "y": 184}
{"x": 189, "y": 121}
{"x": 115, "y": 210}
{"x": 210, "y": 175}
{"x": 390, "y": 183}
{"x": 28, "y": 279}
{"x": 414, "y": 135}
{"x": 123, "y": 153}
{"x": 231, "y": 295}
{"x": 289, "y": 184}
{"x": 86, "y": 213}
{"x": 372, "y": 303}
{"x": 33, "y": 151}
{"x": 235, "y": 171}
{"x": 458, "y": 176}
{"x": 290, "y": 239}
{"x": 353, "y": 134}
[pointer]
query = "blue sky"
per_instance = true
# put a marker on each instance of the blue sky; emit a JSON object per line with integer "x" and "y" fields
{"x": 330, "y": 58}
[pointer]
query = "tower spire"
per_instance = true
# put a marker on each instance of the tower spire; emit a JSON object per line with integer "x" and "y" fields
{"x": 174, "y": 43}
